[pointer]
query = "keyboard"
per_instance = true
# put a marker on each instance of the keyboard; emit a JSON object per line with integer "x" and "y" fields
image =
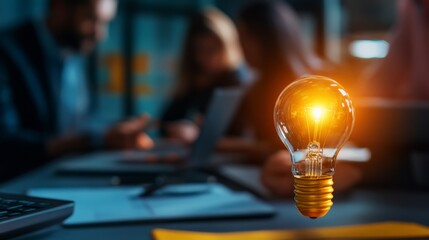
{"x": 21, "y": 214}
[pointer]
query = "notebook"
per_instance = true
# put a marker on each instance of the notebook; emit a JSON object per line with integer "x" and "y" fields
{"x": 104, "y": 205}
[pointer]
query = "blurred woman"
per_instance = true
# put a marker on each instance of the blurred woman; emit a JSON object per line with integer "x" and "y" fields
{"x": 211, "y": 58}
{"x": 274, "y": 48}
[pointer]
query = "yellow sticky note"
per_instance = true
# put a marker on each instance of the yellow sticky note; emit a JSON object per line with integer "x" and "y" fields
{"x": 364, "y": 231}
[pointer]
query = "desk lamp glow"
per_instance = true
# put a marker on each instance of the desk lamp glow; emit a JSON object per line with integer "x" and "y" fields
{"x": 314, "y": 117}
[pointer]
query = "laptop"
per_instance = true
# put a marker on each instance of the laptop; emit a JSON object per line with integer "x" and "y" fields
{"x": 391, "y": 123}
{"x": 221, "y": 110}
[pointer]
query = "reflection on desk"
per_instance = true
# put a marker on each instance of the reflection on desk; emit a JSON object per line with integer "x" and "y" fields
{"x": 360, "y": 206}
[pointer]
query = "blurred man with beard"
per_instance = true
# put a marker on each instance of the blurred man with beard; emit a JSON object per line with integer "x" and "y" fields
{"x": 44, "y": 97}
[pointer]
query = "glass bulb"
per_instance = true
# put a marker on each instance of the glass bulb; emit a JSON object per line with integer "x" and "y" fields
{"x": 314, "y": 117}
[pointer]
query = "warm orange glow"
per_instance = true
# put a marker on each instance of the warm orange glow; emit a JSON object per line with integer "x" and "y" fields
{"x": 318, "y": 113}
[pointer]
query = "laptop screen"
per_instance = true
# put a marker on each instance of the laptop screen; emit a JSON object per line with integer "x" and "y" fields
{"x": 221, "y": 110}
{"x": 387, "y": 123}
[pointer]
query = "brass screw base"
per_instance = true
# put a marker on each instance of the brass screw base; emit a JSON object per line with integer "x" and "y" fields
{"x": 313, "y": 195}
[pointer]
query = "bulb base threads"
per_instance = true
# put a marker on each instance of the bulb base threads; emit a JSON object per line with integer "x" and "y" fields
{"x": 313, "y": 195}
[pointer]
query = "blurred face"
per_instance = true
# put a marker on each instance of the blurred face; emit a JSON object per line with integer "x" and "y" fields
{"x": 209, "y": 53}
{"x": 250, "y": 46}
{"x": 87, "y": 24}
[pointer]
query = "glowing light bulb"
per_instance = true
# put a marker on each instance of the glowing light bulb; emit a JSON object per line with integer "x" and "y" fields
{"x": 314, "y": 117}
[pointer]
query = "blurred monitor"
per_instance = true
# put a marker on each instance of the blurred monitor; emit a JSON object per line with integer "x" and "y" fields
{"x": 386, "y": 123}
{"x": 394, "y": 131}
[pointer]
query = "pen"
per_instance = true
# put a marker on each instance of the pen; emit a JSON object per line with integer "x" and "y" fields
{"x": 174, "y": 178}
{"x": 154, "y": 187}
{"x": 162, "y": 181}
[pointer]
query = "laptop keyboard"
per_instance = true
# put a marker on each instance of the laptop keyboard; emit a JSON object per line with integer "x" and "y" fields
{"x": 10, "y": 208}
{"x": 21, "y": 214}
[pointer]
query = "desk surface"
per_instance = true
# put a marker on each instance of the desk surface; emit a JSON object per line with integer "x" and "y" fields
{"x": 361, "y": 206}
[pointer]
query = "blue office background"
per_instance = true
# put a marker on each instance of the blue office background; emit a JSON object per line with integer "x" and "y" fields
{"x": 157, "y": 42}
{"x": 157, "y": 34}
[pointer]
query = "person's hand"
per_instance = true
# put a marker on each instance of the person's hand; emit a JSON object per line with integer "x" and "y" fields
{"x": 129, "y": 135}
{"x": 277, "y": 175}
{"x": 346, "y": 176}
{"x": 184, "y": 131}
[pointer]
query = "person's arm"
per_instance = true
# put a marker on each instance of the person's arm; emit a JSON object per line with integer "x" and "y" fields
{"x": 387, "y": 77}
{"x": 129, "y": 134}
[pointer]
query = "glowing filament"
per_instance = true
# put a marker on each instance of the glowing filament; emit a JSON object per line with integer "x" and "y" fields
{"x": 317, "y": 113}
